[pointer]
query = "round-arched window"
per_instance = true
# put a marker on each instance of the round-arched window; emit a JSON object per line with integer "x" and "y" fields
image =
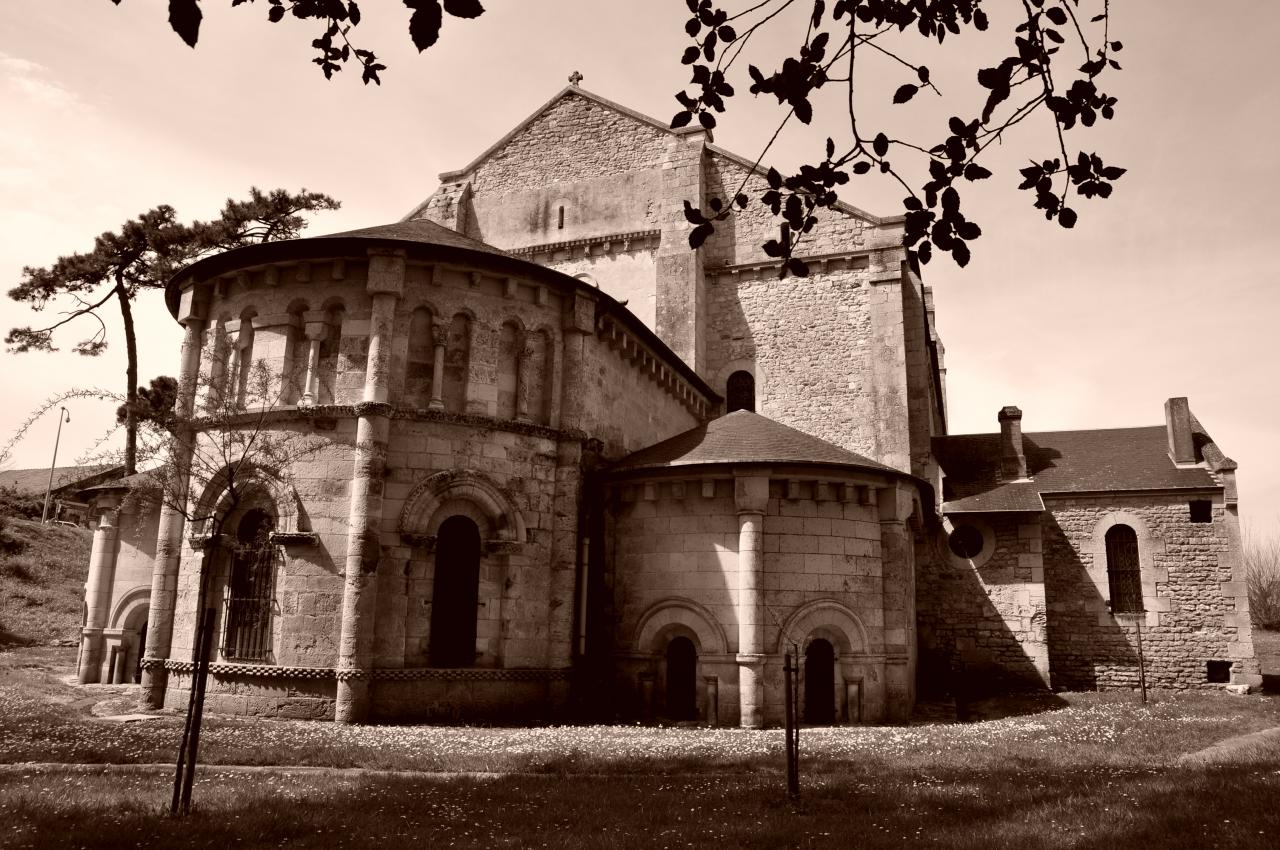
{"x": 740, "y": 392}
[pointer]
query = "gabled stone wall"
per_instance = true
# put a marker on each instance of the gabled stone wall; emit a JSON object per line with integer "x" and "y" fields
{"x": 1195, "y": 601}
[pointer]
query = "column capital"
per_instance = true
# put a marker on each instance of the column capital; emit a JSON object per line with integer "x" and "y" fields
{"x": 750, "y": 493}
{"x": 316, "y": 331}
{"x": 386, "y": 272}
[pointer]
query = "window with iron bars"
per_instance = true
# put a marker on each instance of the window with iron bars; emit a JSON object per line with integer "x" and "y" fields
{"x": 250, "y": 590}
{"x": 1124, "y": 571}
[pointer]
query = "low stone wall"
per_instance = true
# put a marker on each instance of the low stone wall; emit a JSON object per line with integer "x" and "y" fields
{"x": 284, "y": 696}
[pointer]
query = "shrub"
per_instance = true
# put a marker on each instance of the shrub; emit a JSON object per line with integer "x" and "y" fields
{"x": 1262, "y": 578}
{"x": 21, "y": 505}
{"x": 9, "y": 544}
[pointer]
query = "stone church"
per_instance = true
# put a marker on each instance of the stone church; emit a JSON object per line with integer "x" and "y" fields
{"x": 575, "y": 470}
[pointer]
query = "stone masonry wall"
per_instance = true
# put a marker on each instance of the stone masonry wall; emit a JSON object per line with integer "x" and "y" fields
{"x": 576, "y": 139}
{"x": 983, "y": 619}
{"x": 674, "y": 540}
{"x": 1194, "y": 608}
{"x": 808, "y": 340}
{"x": 517, "y": 608}
{"x": 738, "y": 239}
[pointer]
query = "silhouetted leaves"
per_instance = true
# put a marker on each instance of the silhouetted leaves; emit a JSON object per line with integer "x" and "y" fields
{"x": 1015, "y": 86}
{"x": 464, "y": 8}
{"x": 905, "y": 93}
{"x": 424, "y": 23}
{"x": 184, "y": 17}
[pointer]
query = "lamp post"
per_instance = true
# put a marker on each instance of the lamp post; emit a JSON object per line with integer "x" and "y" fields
{"x": 65, "y": 417}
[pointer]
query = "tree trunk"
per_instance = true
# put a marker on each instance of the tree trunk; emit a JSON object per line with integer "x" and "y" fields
{"x": 131, "y": 380}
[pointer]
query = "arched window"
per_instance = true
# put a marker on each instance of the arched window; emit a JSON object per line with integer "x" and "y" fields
{"x": 455, "y": 594}
{"x": 1124, "y": 571}
{"x": 457, "y": 364}
{"x": 243, "y": 360}
{"x": 510, "y": 345}
{"x": 740, "y": 392}
{"x": 820, "y": 683}
{"x": 420, "y": 363}
{"x": 250, "y": 588}
{"x": 682, "y": 679}
{"x": 329, "y": 367}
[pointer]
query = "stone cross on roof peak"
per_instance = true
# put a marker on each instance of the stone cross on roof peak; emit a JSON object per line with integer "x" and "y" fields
{"x": 575, "y": 78}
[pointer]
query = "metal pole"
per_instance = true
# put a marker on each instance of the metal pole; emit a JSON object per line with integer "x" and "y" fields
{"x": 48, "y": 490}
{"x": 1142, "y": 662}
{"x": 793, "y": 776}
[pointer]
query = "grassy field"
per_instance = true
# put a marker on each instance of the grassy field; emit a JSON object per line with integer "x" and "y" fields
{"x": 1015, "y": 807}
{"x": 42, "y": 572}
{"x": 1066, "y": 771}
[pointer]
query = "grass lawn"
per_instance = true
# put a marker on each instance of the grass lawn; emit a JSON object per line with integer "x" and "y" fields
{"x": 1074, "y": 770}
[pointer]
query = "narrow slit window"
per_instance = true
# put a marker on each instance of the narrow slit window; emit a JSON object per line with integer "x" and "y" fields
{"x": 560, "y": 219}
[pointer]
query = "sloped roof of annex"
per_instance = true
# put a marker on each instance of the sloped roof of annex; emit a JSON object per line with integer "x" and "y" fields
{"x": 746, "y": 438}
{"x": 1066, "y": 462}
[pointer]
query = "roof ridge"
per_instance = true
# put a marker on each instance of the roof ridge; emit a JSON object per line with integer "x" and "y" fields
{"x": 1060, "y": 431}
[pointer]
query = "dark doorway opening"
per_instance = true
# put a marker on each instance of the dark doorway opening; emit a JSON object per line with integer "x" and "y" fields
{"x": 455, "y": 594}
{"x": 142, "y": 650}
{"x": 820, "y": 683}
{"x": 682, "y": 679}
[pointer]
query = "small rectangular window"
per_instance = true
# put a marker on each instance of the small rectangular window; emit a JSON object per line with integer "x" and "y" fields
{"x": 1201, "y": 510}
{"x": 1218, "y": 672}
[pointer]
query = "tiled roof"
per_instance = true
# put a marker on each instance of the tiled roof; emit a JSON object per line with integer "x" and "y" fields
{"x": 744, "y": 437}
{"x": 419, "y": 230}
{"x": 1060, "y": 462}
{"x": 30, "y": 481}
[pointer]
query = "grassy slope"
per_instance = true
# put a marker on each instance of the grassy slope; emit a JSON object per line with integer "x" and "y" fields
{"x": 42, "y": 586}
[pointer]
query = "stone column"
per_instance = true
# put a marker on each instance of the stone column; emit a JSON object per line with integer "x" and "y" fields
{"x": 524, "y": 365}
{"x": 164, "y": 569}
{"x": 97, "y": 594}
{"x": 439, "y": 337}
{"x": 751, "y": 495}
{"x": 359, "y": 597}
{"x": 316, "y": 328}
{"x": 897, "y": 547}
{"x": 578, "y": 323}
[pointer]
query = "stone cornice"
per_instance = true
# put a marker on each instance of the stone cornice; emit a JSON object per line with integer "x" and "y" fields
{"x": 818, "y": 264}
{"x": 629, "y": 347}
{"x": 610, "y": 243}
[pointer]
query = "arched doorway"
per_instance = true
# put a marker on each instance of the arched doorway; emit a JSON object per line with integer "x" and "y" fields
{"x": 455, "y": 594}
{"x": 682, "y": 679}
{"x": 820, "y": 683}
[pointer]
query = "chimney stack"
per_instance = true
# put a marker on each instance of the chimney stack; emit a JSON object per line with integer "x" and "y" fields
{"x": 1177, "y": 422}
{"x": 1013, "y": 461}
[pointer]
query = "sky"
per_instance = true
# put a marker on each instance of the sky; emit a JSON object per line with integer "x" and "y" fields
{"x": 1169, "y": 288}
